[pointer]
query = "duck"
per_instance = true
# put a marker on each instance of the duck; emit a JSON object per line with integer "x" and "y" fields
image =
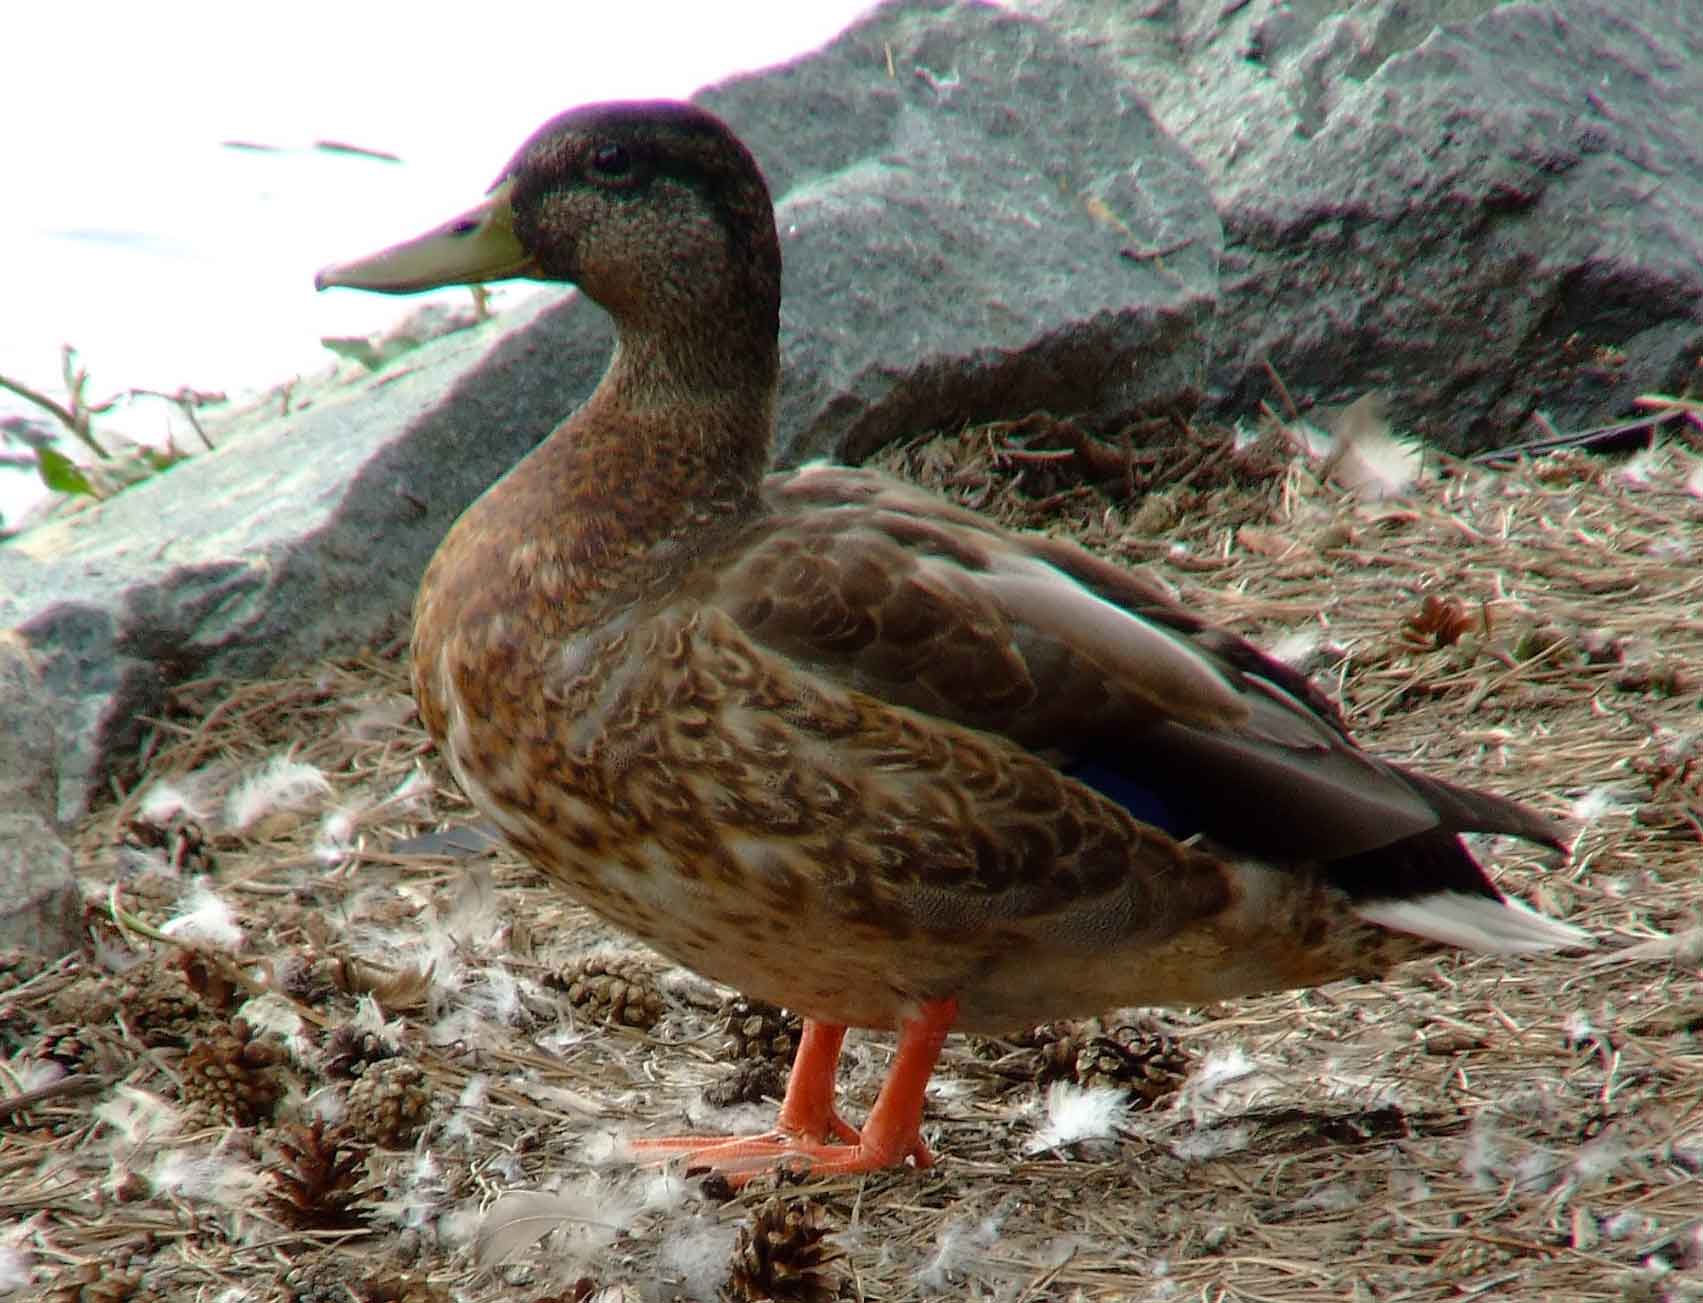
{"x": 835, "y": 742}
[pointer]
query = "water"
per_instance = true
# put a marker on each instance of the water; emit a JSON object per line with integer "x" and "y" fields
{"x": 132, "y": 230}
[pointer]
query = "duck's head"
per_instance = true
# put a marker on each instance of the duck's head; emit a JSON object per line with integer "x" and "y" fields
{"x": 654, "y": 209}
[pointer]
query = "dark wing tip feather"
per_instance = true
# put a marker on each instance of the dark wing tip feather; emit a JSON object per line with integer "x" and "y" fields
{"x": 1465, "y": 809}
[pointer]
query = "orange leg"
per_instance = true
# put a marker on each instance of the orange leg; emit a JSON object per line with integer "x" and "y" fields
{"x": 808, "y": 1109}
{"x": 809, "y": 1129}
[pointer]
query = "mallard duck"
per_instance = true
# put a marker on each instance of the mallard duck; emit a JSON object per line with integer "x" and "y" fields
{"x": 841, "y": 745}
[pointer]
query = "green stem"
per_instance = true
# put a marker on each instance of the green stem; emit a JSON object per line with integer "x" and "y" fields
{"x": 78, "y": 427}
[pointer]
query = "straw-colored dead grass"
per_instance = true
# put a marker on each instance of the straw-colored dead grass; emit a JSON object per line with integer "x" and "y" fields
{"x": 1474, "y": 1127}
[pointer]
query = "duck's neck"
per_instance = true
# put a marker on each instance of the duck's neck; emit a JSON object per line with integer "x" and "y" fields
{"x": 672, "y": 445}
{"x": 679, "y": 427}
{"x": 725, "y": 363}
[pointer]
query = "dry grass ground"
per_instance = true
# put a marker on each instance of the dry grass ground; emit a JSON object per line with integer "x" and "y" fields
{"x": 365, "y": 1060}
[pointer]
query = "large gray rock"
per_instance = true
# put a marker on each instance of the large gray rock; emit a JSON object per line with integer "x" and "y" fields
{"x": 955, "y": 228}
{"x": 970, "y": 211}
{"x": 40, "y": 903}
{"x": 1487, "y": 209}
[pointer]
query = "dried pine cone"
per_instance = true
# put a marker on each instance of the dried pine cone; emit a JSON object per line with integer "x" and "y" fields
{"x": 752, "y": 1082}
{"x": 1466, "y": 1258}
{"x": 179, "y": 842}
{"x": 71, "y": 1048}
{"x": 207, "y": 978}
{"x": 1152, "y": 1068}
{"x": 351, "y": 1050}
{"x": 161, "y": 1005}
{"x": 782, "y": 1254}
{"x": 316, "y": 1179}
{"x": 234, "y": 1073}
{"x": 330, "y": 1279}
{"x": 618, "y": 989}
{"x": 1055, "y": 1046}
{"x": 760, "y": 1030}
{"x": 389, "y": 1104}
{"x": 1439, "y": 622}
{"x": 97, "y": 1282}
{"x": 303, "y": 975}
{"x": 156, "y": 1002}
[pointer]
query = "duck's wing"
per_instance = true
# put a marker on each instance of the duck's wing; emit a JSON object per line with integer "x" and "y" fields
{"x": 885, "y": 589}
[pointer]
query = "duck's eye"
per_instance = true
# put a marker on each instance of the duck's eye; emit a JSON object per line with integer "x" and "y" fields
{"x": 611, "y": 161}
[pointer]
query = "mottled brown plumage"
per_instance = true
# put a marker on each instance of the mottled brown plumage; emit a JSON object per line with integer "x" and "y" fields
{"x": 849, "y": 748}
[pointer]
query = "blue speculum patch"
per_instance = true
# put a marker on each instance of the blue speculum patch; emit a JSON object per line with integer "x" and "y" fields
{"x": 1130, "y": 792}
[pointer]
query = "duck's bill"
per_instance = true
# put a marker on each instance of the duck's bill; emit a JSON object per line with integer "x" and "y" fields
{"x": 479, "y": 245}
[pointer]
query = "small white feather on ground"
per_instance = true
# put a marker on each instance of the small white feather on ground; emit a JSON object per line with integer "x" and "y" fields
{"x": 1077, "y": 1113}
{"x": 1366, "y": 458}
{"x": 207, "y": 917}
{"x": 963, "y": 1242}
{"x": 282, "y": 783}
{"x": 584, "y": 1219}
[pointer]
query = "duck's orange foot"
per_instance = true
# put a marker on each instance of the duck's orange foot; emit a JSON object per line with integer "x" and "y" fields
{"x": 739, "y": 1158}
{"x": 811, "y": 1135}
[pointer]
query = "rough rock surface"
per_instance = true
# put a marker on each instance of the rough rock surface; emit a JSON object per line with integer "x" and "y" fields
{"x": 1488, "y": 209}
{"x": 39, "y": 899}
{"x": 1485, "y": 208}
{"x": 973, "y": 233}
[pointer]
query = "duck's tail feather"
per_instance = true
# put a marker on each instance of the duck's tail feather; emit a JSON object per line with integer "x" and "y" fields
{"x": 1472, "y": 921}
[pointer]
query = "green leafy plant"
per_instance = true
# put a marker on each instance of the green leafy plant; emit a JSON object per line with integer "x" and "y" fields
{"x": 110, "y": 471}
{"x": 61, "y": 474}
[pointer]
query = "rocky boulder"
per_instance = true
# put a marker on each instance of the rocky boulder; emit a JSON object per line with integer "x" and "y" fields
{"x": 1488, "y": 210}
